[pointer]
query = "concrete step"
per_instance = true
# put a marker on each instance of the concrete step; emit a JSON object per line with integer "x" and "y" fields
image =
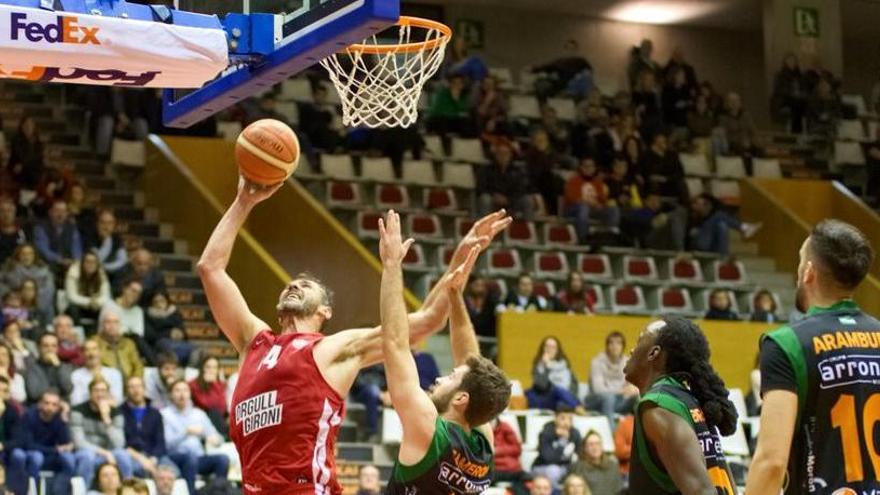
{"x": 756, "y": 264}
{"x": 187, "y": 280}
{"x": 202, "y": 330}
{"x": 183, "y": 295}
{"x": 176, "y": 262}
{"x": 738, "y": 247}
{"x": 356, "y": 451}
{"x": 773, "y": 280}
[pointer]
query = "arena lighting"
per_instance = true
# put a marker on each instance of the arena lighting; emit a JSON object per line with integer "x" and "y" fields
{"x": 643, "y": 12}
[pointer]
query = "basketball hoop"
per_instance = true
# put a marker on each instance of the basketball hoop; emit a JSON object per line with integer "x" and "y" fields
{"x": 379, "y": 83}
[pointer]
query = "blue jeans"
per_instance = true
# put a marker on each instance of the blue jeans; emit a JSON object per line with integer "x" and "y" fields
{"x": 609, "y": 404}
{"x": 88, "y": 460}
{"x": 16, "y": 471}
{"x": 551, "y": 399}
{"x": 62, "y": 464}
{"x": 581, "y": 213}
{"x": 713, "y": 235}
{"x": 191, "y": 464}
{"x": 368, "y": 395}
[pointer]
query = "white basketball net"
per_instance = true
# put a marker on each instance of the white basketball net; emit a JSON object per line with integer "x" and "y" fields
{"x": 382, "y": 90}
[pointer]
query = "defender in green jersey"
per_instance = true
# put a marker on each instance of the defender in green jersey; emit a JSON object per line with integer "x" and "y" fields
{"x": 682, "y": 412}
{"x": 447, "y": 445}
{"x": 820, "y": 379}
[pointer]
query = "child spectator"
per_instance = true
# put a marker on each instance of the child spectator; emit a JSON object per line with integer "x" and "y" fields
{"x": 14, "y": 311}
{"x": 765, "y": 307}
{"x": 575, "y": 485}
{"x": 586, "y": 199}
{"x": 557, "y": 446}
{"x": 30, "y": 300}
{"x": 720, "y": 306}
{"x": 107, "y": 480}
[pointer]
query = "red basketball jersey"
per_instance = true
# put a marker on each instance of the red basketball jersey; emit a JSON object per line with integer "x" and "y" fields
{"x": 285, "y": 418}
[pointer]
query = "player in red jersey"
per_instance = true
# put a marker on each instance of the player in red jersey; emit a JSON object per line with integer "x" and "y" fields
{"x": 290, "y": 397}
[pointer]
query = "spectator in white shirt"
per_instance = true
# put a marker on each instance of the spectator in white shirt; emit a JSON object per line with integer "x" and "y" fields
{"x": 131, "y": 316}
{"x": 186, "y": 428}
{"x": 609, "y": 391}
{"x": 92, "y": 368}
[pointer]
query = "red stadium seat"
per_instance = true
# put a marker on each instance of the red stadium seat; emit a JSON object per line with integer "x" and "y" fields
{"x": 415, "y": 259}
{"x": 424, "y": 226}
{"x": 676, "y": 300}
{"x": 545, "y": 289}
{"x": 598, "y": 294}
{"x": 639, "y": 269}
{"x": 504, "y": 262}
{"x": 685, "y": 270}
{"x": 440, "y": 199}
{"x": 559, "y": 235}
{"x": 730, "y": 272}
{"x": 628, "y": 299}
{"x": 390, "y": 196}
{"x": 368, "y": 225}
{"x": 497, "y": 287}
{"x": 551, "y": 265}
{"x": 444, "y": 256}
{"x": 595, "y": 266}
{"x": 343, "y": 195}
{"x": 521, "y": 233}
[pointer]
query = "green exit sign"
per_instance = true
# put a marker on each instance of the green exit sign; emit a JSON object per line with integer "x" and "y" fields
{"x": 806, "y": 22}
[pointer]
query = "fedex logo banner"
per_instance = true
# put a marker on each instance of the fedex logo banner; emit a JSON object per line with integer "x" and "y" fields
{"x": 66, "y": 29}
{"x": 62, "y": 47}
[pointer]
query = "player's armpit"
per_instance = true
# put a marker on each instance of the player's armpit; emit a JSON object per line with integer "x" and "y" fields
{"x": 778, "y": 418}
{"x": 679, "y": 450}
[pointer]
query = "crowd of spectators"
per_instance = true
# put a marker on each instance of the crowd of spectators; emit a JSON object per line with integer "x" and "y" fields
{"x": 86, "y": 317}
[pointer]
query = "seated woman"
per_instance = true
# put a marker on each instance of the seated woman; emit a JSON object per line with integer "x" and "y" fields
{"x": 575, "y": 298}
{"x": 163, "y": 327}
{"x": 601, "y": 470}
{"x": 209, "y": 393}
{"x": 765, "y": 307}
{"x": 553, "y": 382}
{"x": 87, "y": 290}
{"x": 108, "y": 480}
{"x": 720, "y": 306}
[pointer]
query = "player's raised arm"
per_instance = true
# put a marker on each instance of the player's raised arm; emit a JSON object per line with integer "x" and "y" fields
{"x": 365, "y": 345}
{"x": 227, "y": 304}
{"x": 417, "y": 412}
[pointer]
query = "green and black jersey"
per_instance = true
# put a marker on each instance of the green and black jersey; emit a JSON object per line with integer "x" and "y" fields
{"x": 456, "y": 463}
{"x": 647, "y": 474}
{"x": 831, "y": 360}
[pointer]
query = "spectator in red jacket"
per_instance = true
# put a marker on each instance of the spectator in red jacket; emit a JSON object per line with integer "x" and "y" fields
{"x": 209, "y": 393}
{"x": 586, "y": 198}
{"x": 575, "y": 297}
{"x": 623, "y": 438}
{"x": 508, "y": 448}
{"x": 70, "y": 350}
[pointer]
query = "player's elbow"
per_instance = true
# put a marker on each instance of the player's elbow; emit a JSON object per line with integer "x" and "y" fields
{"x": 206, "y": 267}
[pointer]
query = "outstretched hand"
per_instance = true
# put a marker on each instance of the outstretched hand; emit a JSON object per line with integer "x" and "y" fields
{"x": 456, "y": 279}
{"x": 392, "y": 247}
{"x": 481, "y": 235}
{"x": 252, "y": 193}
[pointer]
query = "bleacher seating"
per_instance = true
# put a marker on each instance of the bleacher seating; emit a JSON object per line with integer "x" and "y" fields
{"x": 343, "y": 195}
{"x": 391, "y": 196}
{"x": 524, "y": 107}
{"x": 695, "y": 165}
{"x": 685, "y": 270}
{"x": 338, "y": 167}
{"x": 730, "y": 167}
{"x": 640, "y": 269}
{"x": 628, "y": 299}
{"x": 468, "y": 150}
{"x": 521, "y": 234}
{"x": 377, "y": 169}
{"x": 504, "y": 262}
{"x": 460, "y": 175}
{"x": 419, "y": 173}
{"x": 551, "y": 265}
{"x": 729, "y": 272}
{"x": 766, "y": 168}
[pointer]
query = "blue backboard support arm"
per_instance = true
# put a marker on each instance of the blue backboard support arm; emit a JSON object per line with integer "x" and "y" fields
{"x": 307, "y": 44}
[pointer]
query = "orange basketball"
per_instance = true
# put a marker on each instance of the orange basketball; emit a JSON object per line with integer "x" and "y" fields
{"x": 267, "y": 152}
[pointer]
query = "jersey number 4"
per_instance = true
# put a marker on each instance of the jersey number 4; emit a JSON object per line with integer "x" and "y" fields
{"x": 844, "y": 415}
{"x": 271, "y": 358}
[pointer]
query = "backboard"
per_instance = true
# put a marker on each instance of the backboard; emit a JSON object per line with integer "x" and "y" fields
{"x": 272, "y": 42}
